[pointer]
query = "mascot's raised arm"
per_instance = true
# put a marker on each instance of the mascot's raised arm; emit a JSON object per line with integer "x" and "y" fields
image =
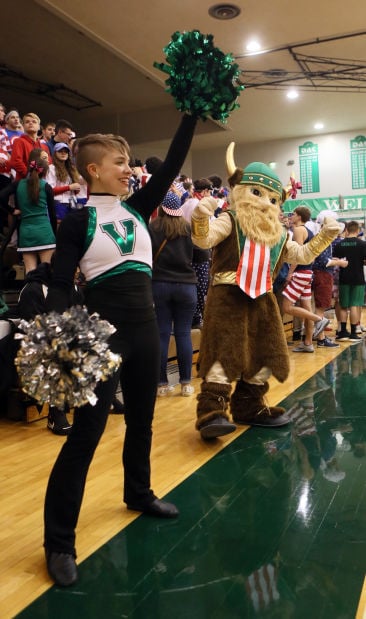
{"x": 243, "y": 340}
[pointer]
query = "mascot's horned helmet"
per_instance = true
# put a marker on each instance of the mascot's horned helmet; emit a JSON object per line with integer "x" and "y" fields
{"x": 255, "y": 173}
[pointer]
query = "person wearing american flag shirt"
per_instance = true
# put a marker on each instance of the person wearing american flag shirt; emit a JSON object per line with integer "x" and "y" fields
{"x": 243, "y": 339}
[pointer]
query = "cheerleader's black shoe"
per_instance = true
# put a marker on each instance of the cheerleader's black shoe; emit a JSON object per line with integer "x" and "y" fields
{"x": 57, "y": 422}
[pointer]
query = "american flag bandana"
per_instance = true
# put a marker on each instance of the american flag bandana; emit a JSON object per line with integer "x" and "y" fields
{"x": 253, "y": 275}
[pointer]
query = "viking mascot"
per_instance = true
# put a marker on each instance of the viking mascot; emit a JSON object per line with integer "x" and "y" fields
{"x": 243, "y": 341}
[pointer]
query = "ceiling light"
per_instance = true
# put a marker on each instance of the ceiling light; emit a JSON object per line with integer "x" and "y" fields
{"x": 319, "y": 126}
{"x": 272, "y": 165}
{"x": 224, "y": 11}
{"x": 292, "y": 94}
{"x": 253, "y": 46}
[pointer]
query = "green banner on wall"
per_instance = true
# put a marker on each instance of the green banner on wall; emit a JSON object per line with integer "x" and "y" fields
{"x": 358, "y": 162}
{"x": 309, "y": 167}
{"x": 348, "y": 204}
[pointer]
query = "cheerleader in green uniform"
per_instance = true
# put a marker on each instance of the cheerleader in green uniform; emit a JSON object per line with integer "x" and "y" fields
{"x": 34, "y": 203}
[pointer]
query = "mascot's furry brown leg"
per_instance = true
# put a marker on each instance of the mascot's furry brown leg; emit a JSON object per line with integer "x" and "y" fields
{"x": 248, "y": 406}
{"x": 212, "y": 416}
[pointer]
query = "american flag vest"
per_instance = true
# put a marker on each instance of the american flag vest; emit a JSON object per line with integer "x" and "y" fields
{"x": 256, "y": 265}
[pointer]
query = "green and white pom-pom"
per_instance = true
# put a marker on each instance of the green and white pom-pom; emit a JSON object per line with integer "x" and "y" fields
{"x": 202, "y": 79}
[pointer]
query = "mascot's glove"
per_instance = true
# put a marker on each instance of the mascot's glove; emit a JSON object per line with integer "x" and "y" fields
{"x": 207, "y": 206}
{"x": 332, "y": 226}
{"x": 201, "y": 216}
{"x": 329, "y": 231}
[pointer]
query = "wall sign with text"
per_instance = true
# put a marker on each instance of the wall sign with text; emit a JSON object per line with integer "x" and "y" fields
{"x": 358, "y": 162}
{"x": 342, "y": 205}
{"x": 309, "y": 167}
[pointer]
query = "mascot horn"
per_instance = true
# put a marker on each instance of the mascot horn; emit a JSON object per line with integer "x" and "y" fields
{"x": 235, "y": 174}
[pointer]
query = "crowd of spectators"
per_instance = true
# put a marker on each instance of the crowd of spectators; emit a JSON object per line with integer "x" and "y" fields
{"x": 29, "y": 149}
{"x": 337, "y": 284}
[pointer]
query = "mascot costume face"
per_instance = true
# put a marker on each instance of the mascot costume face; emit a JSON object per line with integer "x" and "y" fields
{"x": 243, "y": 341}
{"x": 257, "y": 204}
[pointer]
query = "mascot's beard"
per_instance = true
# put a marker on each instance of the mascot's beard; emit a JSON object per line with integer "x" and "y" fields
{"x": 259, "y": 223}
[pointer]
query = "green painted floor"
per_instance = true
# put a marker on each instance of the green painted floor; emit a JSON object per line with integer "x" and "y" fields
{"x": 274, "y": 526}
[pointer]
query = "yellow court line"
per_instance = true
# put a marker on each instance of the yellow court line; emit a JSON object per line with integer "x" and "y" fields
{"x": 361, "y": 611}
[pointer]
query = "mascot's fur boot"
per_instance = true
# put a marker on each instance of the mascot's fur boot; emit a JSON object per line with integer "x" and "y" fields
{"x": 248, "y": 407}
{"x": 212, "y": 416}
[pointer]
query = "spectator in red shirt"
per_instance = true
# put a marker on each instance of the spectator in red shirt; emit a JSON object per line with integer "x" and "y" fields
{"x": 23, "y": 145}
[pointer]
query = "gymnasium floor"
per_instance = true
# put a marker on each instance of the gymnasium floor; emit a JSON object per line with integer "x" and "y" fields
{"x": 272, "y": 526}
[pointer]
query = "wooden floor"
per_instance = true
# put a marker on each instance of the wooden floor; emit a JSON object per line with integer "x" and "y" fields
{"x": 27, "y": 453}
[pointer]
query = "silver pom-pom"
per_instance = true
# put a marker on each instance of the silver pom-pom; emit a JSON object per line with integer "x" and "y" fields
{"x": 62, "y": 357}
